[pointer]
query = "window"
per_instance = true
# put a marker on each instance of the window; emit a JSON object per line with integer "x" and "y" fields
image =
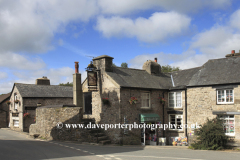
{"x": 15, "y": 106}
{"x": 15, "y": 123}
{"x": 225, "y": 96}
{"x": 145, "y": 100}
{"x": 228, "y": 124}
{"x": 175, "y": 99}
{"x": 176, "y": 122}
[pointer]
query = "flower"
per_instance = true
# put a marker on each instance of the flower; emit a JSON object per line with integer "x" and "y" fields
{"x": 162, "y": 100}
{"x": 105, "y": 100}
{"x": 26, "y": 115}
{"x": 133, "y": 100}
{"x": 174, "y": 142}
{"x": 16, "y": 101}
{"x": 8, "y": 102}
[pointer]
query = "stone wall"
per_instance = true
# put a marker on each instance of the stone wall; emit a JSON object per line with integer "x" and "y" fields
{"x": 44, "y": 102}
{"x": 202, "y": 101}
{"x": 4, "y": 114}
{"x": 47, "y": 119}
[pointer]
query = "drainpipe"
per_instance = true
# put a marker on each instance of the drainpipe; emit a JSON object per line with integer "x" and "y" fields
{"x": 163, "y": 115}
{"x": 186, "y": 111}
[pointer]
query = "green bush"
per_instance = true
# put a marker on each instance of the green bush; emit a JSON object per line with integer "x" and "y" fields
{"x": 210, "y": 136}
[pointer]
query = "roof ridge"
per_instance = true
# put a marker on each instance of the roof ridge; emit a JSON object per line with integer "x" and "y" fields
{"x": 131, "y": 68}
{"x": 42, "y": 85}
{"x": 185, "y": 69}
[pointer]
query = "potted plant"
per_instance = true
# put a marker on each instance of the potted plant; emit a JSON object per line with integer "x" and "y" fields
{"x": 8, "y": 102}
{"x": 162, "y": 100}
{"x": 26, "y": 115}
{"x": 16, "y": 101}
{"x": 174, "y": 143}
{"x": 133, "y": 100}
{"x": 105, "y": 101}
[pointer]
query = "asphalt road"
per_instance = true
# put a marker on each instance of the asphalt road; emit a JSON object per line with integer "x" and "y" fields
{"x": 16, "y": 146}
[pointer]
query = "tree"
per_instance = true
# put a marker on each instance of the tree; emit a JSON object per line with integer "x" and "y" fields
{"x": 114, "y": 65}
{"x": 66, "y": 84}
{"x": 167, "y": 68}
{"x": 210, "y": 136}
{"x": 124, "y": 65}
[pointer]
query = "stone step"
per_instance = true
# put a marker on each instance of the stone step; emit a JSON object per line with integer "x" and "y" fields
{"x": 102, "y": 138}
{"x": 98, "y": 134}
{"x": 104, "y": 142}
{"x": 95, "y": 130}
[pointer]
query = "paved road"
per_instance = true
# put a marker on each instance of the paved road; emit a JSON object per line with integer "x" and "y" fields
{"x": 16, "y": 146}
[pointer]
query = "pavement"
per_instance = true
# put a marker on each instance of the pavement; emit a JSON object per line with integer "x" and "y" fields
{"x": 19, "y": 146}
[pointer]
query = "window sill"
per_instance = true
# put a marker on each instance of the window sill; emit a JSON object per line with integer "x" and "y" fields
{"x": 176, "y": 130}
{"x": 174, "y": 108}
{"x": 226, "y": 103}
{"x": 146, "y": 108}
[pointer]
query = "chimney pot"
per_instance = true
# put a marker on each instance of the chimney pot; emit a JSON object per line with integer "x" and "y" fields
{"x": 155, "y": 59}
{"x": 233, "y": 52}
{"x": 76, "y": 67}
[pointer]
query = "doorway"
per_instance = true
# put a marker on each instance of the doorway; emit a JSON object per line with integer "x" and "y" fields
{"x": 88, "y": 103}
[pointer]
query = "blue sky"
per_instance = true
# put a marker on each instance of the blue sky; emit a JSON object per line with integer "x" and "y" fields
{"x": 44, "y": 38}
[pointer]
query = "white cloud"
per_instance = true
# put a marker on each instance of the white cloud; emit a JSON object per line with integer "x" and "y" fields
{"x": 29, "y": 26}
{"x": 6, "y": 87}
{"x": 234, "y": 19}
{"x": 17, "y": 61}
{"x": 3, "y": 75}
{"x": 209, "y": 44}
{"x": 56, "y": 76}
{"x": 158, "y": 27}
{"x": 123, "y": 7}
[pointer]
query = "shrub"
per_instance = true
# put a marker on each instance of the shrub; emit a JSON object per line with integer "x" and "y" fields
{"x": 210, "y": 136}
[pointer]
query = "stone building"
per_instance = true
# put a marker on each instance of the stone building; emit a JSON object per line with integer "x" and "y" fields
{"x": 4, "y": 110}
{"x": 25, "y": 98}
{"x": 189, "y": 97}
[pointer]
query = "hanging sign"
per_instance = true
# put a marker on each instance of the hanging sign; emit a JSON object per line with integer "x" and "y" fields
{"x": 92, "y": 78}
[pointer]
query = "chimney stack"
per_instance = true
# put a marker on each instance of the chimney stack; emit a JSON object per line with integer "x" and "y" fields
{"x": 233, "y": 54}
{"x": 77, "y": 87}
{"x": 42, "y": 81}
{"x": 76, "y": 67}
{"x": 155, "y": 59}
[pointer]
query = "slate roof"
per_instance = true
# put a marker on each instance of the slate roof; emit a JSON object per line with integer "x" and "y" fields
{"x": 136, "y": 78}
{"x": 182, "y": 77}
{"x": 213, "y": 72}
{"x": 4, "y": 97}
{"x": 33, "y": 90}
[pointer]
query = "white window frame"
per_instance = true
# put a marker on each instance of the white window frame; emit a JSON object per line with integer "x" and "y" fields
{"x": 227, "y": 118}
{"x": 177, "y": 116}
{"x": 142, "y": 98}
{"x": 15, "y": 104}
{"x": 175, "y": 99}
{"x": 225, "y": 90}
{"x": 14, "y": 124}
